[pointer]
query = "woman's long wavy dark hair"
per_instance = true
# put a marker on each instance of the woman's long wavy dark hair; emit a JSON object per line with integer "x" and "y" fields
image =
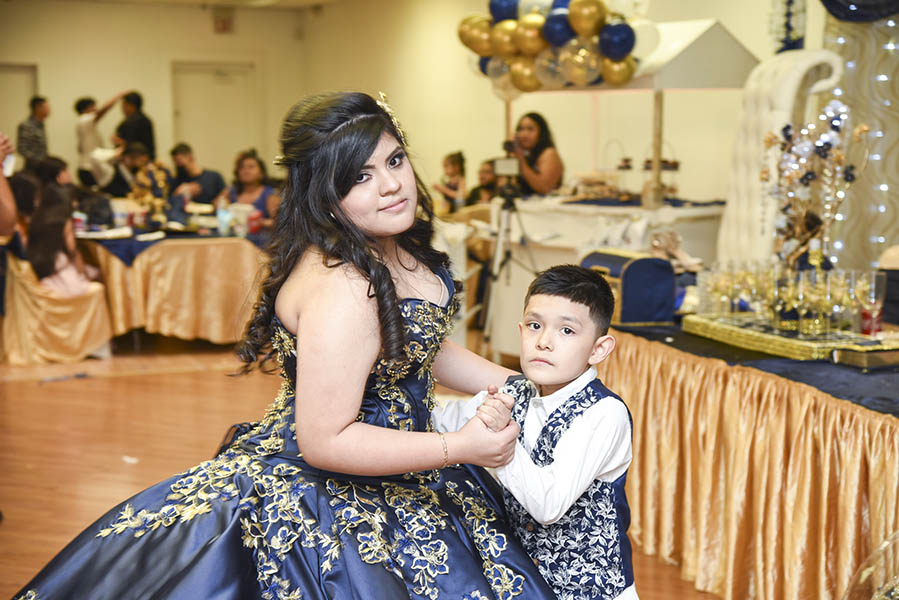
{"x": 46, "y": 236}
{"x": 544, "y": 137}
{"x": 325, "y": 142}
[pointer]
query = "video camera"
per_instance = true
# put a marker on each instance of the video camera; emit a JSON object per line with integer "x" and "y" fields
{"x": 508, "y": 168}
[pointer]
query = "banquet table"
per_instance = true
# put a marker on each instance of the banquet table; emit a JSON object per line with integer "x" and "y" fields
{"x": 191, "y": 287}
{"x": 761, "y": 477}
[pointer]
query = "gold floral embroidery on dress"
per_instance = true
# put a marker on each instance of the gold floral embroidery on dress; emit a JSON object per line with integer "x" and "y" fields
{"x": 29, "y": 595}
{"x": 274, "y": 518}
{"x": 490, "y": 543}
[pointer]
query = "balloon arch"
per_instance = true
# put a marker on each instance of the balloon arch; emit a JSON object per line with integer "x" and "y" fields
{"x": 530, "y": 45}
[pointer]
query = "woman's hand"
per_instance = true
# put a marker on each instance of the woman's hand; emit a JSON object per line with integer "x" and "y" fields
{"x": 477, "y": 445}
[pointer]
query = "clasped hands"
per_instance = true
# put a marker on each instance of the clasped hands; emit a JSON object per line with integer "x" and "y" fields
{"x": 496, "y": 410}
{"x": 491, "y": 435}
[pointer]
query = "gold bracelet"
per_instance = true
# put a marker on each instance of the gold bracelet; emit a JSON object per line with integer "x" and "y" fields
{"x": 445, "y": 451}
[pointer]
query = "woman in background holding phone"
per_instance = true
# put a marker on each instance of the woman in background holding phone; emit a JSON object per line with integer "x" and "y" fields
{"x": 540, "y": 166}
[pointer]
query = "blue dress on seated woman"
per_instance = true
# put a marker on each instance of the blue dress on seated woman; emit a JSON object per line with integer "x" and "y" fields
{"x": 260, "y": 203}
{"x": 257, "y": 521}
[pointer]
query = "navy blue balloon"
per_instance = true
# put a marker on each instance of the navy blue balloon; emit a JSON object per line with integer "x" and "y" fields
{"x": 557, "y": 30}
{"x": 561, "y": 3}
{"x": 616, "y": 40}
{"x": 501, "y": 10}
{"x": 482, "y": 63}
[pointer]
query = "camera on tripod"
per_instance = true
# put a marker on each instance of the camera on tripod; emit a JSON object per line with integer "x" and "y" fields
{"x": 508, "y": 168}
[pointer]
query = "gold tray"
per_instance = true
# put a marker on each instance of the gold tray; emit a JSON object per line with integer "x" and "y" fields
{"x": 853, "y": 348}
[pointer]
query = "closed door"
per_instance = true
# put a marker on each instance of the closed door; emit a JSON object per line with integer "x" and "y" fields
{"x": 217, "y": 111}
{"x": 19, "y": 84}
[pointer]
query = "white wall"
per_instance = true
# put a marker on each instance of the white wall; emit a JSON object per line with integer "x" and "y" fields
{"x": 406, "y": 48}
{"x": 99, "y": 49}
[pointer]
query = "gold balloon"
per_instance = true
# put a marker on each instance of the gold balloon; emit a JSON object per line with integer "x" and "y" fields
{"x": 474, "y": 32}
{"x": 501, "y": 38}
{"x": 480, "y": 37}
{"x": 586, "y": 16}
{"x": 617, "y": 72}
{"x": 523, "y": 74}
{"x": 464, "y": 29}
{"x": 528, "y": 36}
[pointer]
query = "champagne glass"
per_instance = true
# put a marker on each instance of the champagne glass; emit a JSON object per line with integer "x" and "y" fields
{"x": 870, "y": 291}
{"x": 809, "y": 296}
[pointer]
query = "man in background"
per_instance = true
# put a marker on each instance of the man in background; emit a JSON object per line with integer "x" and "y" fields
{"x": 91, "y": 170}
{"x": 192, "y": 182}
{"x": 136, "y": 127}
{"x": 32, "y": 137}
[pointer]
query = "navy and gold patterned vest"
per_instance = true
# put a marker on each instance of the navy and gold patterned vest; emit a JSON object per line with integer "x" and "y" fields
{"x": 586, "y": 554}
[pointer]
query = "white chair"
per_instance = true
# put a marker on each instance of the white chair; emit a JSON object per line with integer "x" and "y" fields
{"x": 775, "y": 94}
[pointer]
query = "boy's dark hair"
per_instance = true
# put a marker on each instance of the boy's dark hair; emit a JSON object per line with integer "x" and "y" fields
{"x": 82, "y": 104}
{"x": 578, "y": 284}
{"x": 134, "y": 99}
{"x": 35, "y": 102}
{"x": 181, "y": 148}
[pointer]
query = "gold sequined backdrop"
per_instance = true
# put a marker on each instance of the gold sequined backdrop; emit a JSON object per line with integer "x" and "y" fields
{"x": 870, "y": 87}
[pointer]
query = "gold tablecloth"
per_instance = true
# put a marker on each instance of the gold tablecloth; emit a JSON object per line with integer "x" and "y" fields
{"x": 187, "y": 288}
{"x": 42, "y": 327}
{"x": 759, "y": 487}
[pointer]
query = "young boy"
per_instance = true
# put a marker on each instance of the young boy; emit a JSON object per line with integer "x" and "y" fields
{"x": 564, "y": 488}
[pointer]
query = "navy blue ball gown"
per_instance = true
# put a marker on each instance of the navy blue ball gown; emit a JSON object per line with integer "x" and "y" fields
{"x": 257, "y": 521}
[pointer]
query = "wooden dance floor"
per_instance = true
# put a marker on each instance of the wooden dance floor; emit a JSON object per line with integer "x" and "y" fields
{"x": 79, "y": 438}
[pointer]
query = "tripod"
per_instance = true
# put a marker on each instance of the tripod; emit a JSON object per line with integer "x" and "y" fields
{"x": 502, "y": 254}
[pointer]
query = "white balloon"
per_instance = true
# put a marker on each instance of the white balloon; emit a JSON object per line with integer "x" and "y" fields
{"x": 526, "y": 7}
{"x": 548, "y": 68}
{"x": 497, "y": 67}
{"x": 504, "y": 89}
{"x": 647, "y": 35}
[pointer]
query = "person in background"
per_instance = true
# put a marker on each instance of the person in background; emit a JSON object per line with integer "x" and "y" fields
{"x": 136, "y": 127}
{"x": 137, "y": 176}
{"x": 32, "y": 137}
{"x": 91, "y": 172}
{"x": 487, "y": 183}
{"x": 192, "y": 182}
{"x": 52, "y": 169}
{"x": 539, "y": 163}
{"x": 250, "y": 187}
{"x": 8, "y": 212}
{"x": 52, "y": 250}
{"x": 26, "y": 190}
{"x": 452, "y": 186}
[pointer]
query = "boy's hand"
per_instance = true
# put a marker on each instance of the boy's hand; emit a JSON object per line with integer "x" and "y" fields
{"x": 496, "y": 411}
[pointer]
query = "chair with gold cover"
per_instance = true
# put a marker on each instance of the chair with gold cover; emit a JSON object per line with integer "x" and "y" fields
{"x": 41, "y": 326}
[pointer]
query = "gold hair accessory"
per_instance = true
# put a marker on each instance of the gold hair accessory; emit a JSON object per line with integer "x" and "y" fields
{"x": 382, "y": 102}
{"x": 279, "y": 160}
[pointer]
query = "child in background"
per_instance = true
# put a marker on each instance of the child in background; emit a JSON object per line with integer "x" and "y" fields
{"x": 564, "y": 488}
{"x": 452, "y": 186}
{"x": 52, "y": 250}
